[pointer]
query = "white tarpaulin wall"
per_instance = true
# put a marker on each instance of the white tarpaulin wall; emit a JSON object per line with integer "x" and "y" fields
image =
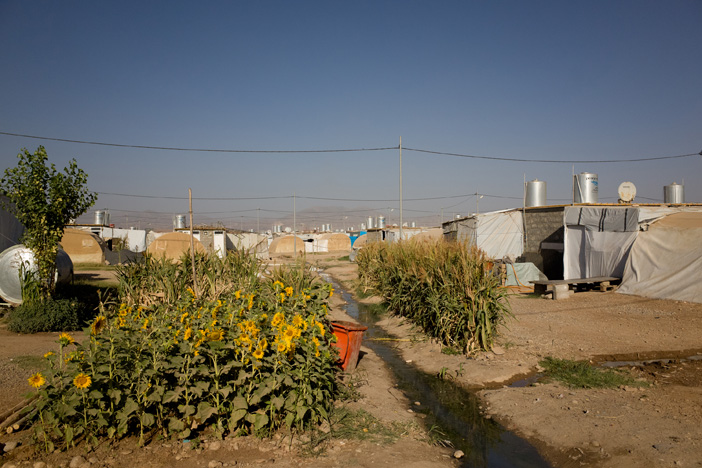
{"x": 500, "y": 233}
{"x": 666, "y": 261}
{"x": 597, "y": 240}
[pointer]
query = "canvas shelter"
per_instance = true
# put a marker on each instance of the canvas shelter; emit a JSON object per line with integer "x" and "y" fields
{"x": 499, "y": 233}
{"x": 83, "y": 246}
{"x": 597, "y": 239}
{"x": 336, "y": 241}
{"x": 173, "y": 245}
{"x": 665, "y": 262}
{"x": 286, "y": 244}
{"x": 360, "y": 241}
{"x": 430, "y": 235}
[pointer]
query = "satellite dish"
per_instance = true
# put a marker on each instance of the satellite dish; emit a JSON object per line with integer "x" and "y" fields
{"x": 627, "y": 192}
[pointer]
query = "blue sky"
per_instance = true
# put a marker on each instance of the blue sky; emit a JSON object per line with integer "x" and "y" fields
{"x": 588, "y": 80}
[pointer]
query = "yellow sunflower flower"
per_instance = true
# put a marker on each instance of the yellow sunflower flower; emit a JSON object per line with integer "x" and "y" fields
{"x": 82, "y": 381}
{"x": 289, "y": 291}
{"x": 65, "y": 339}
{"x": 98, "y": 325}
{"x": 278, "y": 318}
{"x": 258, "y": 354}
{"x": 48, "y": 355}
{"x": 215, "y": 335}
{"x": 37, "y": 380}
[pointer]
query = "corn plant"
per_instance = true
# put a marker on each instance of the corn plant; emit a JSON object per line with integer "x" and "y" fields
{"x": 445, "y": 288}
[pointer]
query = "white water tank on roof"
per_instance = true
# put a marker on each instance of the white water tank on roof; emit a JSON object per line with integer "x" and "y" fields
{"x": 535, "y": 193}
{"x": 585, "y": 188}
{"x": 674, "y": 193}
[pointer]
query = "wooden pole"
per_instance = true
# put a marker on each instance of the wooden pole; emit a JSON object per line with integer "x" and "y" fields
{"x": 192, "y": 241}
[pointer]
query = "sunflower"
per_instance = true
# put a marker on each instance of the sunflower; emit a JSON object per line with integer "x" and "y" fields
{"x": 258, "y": 354}
{"x": 237, "y": 294}
{"x": 215, "y": 335}
{"x": 37, "y": 380}
{"x": 65, "y": 339}
{"x": 282, "y": 347}
{"x": 297, "y": 321}
{"x": 188, "y": 333}
{"x": 278, "y": 318}
{"x": 278, "y": 283}
{"x": 82, "y": 381}
{"x": 98, "y": 325}
{"x": 289, "y": 291}
{"x": 48, "y": 355}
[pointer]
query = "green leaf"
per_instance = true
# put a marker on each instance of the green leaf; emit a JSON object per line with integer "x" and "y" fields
{"x": 301, "y": 411}
{"x": 205, "y": 410}
{"x": 175, "y": 425}
{"x": 237, "y": 415}
{"x": 147, "y": 419}
{"x": 260, "y": 421}
{"x": 186, "y": 410}
{"x": 239, "y": 403}
{"x": 170, "y": 396}
{"x": 278, "y": 402}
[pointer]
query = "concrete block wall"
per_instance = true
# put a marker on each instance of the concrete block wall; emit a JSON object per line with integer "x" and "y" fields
{"x": 544, "y": 225}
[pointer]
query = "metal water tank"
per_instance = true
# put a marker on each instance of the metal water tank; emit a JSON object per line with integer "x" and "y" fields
{"x": 100, "y": 218}
{"x": 11, "y": 260}
{"x": 674, "y": 193}
{"x": 585, "y": 187}
{"x": 535, "y": 193}
{"x": 370, "y": 223}
{"x": 180, "y": 222}
{"x": 413, "y": 224}
{"x": 381, "y": 222}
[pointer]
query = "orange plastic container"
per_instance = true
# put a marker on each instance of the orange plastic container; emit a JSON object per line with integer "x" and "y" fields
{"x": 348, "y": 341}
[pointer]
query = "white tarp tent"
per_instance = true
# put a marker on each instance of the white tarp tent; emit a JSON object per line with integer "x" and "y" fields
{"x": 499, "y": 233}
{"x": 597, "y": 240}
{"x": 666, "y": 260}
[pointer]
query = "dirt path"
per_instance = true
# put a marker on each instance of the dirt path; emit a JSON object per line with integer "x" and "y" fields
{"x": 657, "y": 426}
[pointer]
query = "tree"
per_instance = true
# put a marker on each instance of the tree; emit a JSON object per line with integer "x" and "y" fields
{"x": 44, "y": 201}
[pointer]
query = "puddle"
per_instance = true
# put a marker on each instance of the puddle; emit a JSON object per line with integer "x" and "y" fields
{"x": 452, "y": 412}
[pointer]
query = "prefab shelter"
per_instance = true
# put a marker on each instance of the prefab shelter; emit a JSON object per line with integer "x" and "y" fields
{"x": 286, "y": 244}
{"x": 665, "y": 262}
{"x": 173, "y": 245}
{"x": 83, "y": 246}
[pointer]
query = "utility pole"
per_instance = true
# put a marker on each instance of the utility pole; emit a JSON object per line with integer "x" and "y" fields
{"x": 192, "y": 242}
{"x": 258, "y": 220}
{"x": 400, "y": 187}
{"x": 294, "y": 228}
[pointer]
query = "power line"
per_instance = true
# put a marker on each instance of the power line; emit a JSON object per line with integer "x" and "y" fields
{"x": 200, "y": 150}
{"x": 347, "y": 150}
{"x": 558, "y": 161}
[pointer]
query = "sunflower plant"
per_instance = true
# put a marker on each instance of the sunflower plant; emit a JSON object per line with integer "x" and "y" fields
{"x": 246, "y": 360}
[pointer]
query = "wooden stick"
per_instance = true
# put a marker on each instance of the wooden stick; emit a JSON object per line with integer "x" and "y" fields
{"x": 18, "y": 407}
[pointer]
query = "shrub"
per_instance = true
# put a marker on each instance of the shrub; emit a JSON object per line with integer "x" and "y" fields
{"x": 445, "y": 288}
{"x": 250, "y": 361}
{"x": 48, "y": 315}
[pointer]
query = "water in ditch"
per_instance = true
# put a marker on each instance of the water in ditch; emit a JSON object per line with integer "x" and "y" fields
{"x": 451, "y": 411}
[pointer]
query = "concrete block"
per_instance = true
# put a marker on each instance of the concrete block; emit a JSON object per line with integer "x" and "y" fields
{"x": 561, "y": 291}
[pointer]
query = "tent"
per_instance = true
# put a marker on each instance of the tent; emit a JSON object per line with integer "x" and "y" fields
{"x": 173, "y": 245}
{"x": 430, "y": 235}
{"x": 83, "y": 246}
{"x": 665, "y": 262}
{"x": 597, "y": 240}
{"x": 360, "y": 241}
{"x": 286, "y": 244}
{"x": 499, "y": 233}
{"x": 336, "y": 241}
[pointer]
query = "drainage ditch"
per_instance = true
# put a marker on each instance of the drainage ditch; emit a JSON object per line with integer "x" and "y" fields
{"x": 451, "y": 412}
